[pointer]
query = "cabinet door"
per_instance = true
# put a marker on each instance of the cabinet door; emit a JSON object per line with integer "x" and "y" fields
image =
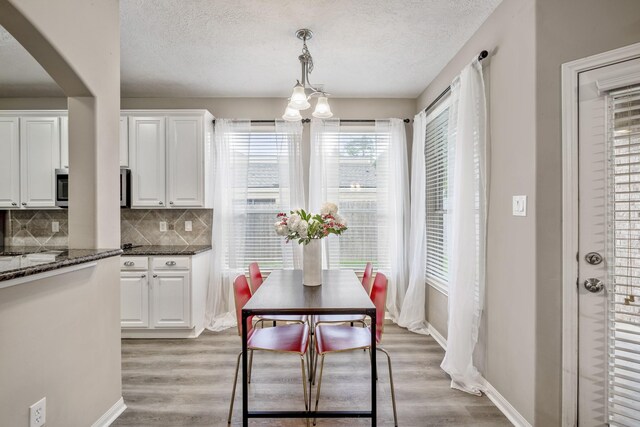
{"x": 134, "y": 300}
{"x": 147, "y": 138}
{"x": 39, "y": 157}
{"x": 9, "y": 162}
{"x": 171, "y": 299}
{"x": 186, "y": 162}
{"x": 64, "y": 142}
{"x": 124, "y": 142}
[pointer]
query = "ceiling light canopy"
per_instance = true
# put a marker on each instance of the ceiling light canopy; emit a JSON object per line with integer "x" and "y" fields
{"x": 303, "y": 91}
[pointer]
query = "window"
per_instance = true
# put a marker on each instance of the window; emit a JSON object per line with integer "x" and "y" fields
{"x": 356, "y": 178}
{"x": 436, "y": 153}
{"x": 261, "y": 193}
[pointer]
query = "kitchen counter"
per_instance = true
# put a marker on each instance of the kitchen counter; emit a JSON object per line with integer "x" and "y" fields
{"x": 166, "y": 250}
{"x": 17, "y": 262}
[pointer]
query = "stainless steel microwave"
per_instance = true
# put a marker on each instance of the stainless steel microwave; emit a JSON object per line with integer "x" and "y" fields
{"x": 62, "y": 188}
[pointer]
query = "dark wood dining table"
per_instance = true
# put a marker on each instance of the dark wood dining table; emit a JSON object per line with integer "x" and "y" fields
{"x": 283, "y": 293}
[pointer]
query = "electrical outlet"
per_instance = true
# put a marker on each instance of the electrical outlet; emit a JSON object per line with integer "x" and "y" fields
{"x": 188, "y": 226}
{"x": 163, "y": 226}
{"x": 55, "y": 227}
{"x": 38, "y": 413}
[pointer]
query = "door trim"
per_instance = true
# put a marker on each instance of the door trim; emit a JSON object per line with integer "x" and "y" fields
{"x": 570, "y": 73}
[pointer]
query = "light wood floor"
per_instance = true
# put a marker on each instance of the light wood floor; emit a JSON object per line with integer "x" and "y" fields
{"x": 188, "y": 383}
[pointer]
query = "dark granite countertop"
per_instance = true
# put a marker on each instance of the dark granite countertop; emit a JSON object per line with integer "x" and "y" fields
{"x": 166, "y": 250}
{"x": 24, "y": 261}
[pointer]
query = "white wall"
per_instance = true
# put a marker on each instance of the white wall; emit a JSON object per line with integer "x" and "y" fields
{"x": 60, "y": 339}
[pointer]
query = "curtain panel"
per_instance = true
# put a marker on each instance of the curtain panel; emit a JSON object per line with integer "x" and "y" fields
{"x": 467, "y": 193}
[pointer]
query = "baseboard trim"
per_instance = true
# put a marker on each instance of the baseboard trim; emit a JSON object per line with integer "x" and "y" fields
{"x": 501, "y": 403}
{"x": 111, "y": 415}
{"x": 437, "y": 336}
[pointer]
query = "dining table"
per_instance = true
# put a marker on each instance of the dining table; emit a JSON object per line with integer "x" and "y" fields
{"x": 283, "y": 292}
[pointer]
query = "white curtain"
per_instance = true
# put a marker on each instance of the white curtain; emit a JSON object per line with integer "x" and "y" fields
{"x": 393, "y": 219}
{"x": 412, "y": 315}
{"x": 467, "y": 197}
{"x": 229, "y": 215}
{"x": 377, "y": 155}
{"x": 289, "y": 146}
{"x": 231, "y": 250}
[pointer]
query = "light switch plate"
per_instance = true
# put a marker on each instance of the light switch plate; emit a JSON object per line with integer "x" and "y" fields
{"x": 519, "y": 205}
{"x": 163, "y": 226}
{"x": 55, "y": 226}
{"x": 188, "y": 226}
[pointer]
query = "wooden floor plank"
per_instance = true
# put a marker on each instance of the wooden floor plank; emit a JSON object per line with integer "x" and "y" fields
{"x": 182, "y": 382}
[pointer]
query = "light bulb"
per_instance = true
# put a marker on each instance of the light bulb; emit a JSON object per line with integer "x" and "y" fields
{"x": 291, "y": 115}
{"x": 298, "y": 99}
{"x": 322, "y": 111}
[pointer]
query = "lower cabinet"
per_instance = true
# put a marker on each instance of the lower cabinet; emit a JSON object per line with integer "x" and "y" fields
{"x": 163, "y": 296}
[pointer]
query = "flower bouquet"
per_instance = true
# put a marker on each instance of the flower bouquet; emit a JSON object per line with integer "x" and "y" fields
{"x": 307, "y": 229}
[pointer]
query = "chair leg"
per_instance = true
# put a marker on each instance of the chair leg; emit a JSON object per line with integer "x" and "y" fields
{"x": 319, "y": 385}
{"x": 393, "y": 393}
{"x": 274, "y": 323}
{"x": 233, "y": 392}
{"x": 315, "y": 370}
{"x": 304, "y": 385}
{"x": 250, "y": 366}
{"x": 370, "y": 358}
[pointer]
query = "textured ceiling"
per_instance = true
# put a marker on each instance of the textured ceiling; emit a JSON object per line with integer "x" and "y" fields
{"x": 236, "y": 48}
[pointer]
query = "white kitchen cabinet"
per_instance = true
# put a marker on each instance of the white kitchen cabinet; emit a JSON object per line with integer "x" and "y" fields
{"x": 171, "y": 302}
{"x": 164, "y": 296}
{"x": 39, "y": 157}
{"x": 183, "y": 179}
{"x": 147, "y": 138}
{"x": 64, "y": 142}
{"x": 124, "y": 142}
{"x": 134, "y": 300}
{"x": 185, "y": 166}
{"x": 9, "y": 162}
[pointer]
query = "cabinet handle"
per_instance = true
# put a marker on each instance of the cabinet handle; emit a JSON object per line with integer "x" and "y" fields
{"x": 143, "y": 276}
{"x": 159, "y": 203}
{"x": 14, "y": 204}
{"x": 24, "y": 203}
{"x": 170, "y": 263}
{"x": 129, "y": 263}
{"x": 170, "y": 203}
{"x": 155, "y": 276}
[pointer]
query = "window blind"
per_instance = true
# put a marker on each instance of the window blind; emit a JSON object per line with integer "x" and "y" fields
{"x": 436, "y": 170}
{"x": 624, "y": 249}
{"x": 357, "y": 182}
{"x": 263, "y": 193}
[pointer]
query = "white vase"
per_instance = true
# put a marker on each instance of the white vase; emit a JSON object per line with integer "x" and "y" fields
{"x": 312, "y": 263}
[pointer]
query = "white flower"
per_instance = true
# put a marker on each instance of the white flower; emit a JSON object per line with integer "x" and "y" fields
{"x": 340, "y": 220}
{"x": 281, "y": 229}
{"x": 293, "y": 221}
{"x": 329, "y": 208}
{"x": 303, "y": 227}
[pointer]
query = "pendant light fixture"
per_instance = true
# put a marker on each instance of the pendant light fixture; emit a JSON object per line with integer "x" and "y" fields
{"x": 303, "y": 91}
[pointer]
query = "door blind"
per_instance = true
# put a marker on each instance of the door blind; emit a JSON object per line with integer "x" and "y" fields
{"x": 624, "y": 250}
{"x": 436, "y": 161}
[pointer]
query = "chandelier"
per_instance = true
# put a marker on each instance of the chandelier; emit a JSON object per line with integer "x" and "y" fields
{"x": 303, "y": 91}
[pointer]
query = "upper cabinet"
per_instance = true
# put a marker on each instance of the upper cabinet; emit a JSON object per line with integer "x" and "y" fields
{"x": 169, "y": 156}
{"x": 147, "y": 139}
{"x": 124, "y": 142}
{"x": 39, "y": 157}
{"x": 9, "y": 162}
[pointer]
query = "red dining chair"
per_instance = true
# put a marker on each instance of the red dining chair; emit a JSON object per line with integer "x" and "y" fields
{"x": 350, "y": 318}
{"x": 337, "y": 338}
{"x": 256, "y": 282}
{"x": 284, "y": 339}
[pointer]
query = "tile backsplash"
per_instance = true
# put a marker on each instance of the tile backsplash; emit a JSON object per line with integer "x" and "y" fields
{"x": 137, "y": 226}
{"x": 142, "y": 226}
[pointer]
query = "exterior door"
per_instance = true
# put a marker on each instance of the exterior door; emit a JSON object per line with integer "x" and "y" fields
{"x": 171, "y": 300}
{"x": 39, "y": 158}
{"x": 9, "y": 163}
{"x": 147, "y": 138}
{"x": 134, "y": 300}
{"x": 609, "y": 246}
{"x": 186, "y": 161}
